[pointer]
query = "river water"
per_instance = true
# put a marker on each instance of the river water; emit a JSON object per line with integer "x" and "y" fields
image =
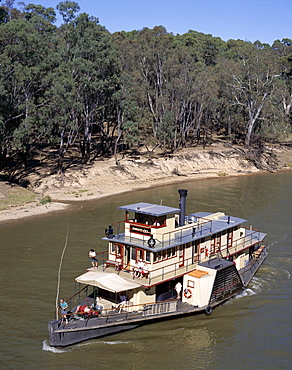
{"x": 252, "y": 330}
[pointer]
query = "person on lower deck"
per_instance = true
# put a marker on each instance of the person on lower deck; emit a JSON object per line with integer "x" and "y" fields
{"x": 123, "y": 302}
{"x": 63, "y": 307}
{"x": 178, "y": 288}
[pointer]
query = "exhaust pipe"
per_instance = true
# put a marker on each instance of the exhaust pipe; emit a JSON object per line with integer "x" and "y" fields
{"x": 182, "y": 205}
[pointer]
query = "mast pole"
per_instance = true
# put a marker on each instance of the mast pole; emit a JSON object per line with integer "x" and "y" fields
{"x": 59, "y": 272}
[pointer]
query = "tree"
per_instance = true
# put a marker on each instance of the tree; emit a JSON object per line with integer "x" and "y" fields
{"x": 48, "y": 14}
{"x": 25, "y": 76}
{"x": 68, "y": 10}
{"x": 252, "y": 75}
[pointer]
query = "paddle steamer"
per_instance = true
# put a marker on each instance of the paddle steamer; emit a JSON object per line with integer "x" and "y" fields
{"x": 161, "y": 263}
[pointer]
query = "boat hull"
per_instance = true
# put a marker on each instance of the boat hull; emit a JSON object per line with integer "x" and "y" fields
{"x": 62, "y": 337}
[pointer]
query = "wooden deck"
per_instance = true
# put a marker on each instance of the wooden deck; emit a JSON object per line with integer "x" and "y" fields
{"x": 115, "y": 317}
{"x": 250, "y": 270}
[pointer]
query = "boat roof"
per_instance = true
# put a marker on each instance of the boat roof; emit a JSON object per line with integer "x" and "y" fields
{"x": 220, "y": 223}
{"x": 108, "y": 281}
{"x": 216, "y": 263}
{"x": 150, "y": 209}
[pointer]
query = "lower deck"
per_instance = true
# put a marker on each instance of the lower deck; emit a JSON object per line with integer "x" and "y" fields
{"x": 116, "y": 316}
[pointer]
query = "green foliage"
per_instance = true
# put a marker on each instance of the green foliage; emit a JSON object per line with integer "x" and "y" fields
{"x": 45, "y": 200}
{"x": 68, "y": 10}
{"x": 83, "y": 92}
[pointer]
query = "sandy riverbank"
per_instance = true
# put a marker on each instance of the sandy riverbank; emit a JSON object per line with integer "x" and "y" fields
{"x": 105, "y": 178}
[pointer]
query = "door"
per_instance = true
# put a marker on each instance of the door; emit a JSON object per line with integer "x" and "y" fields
{"x": 217, "y": 242}
{"x": 139, "y": 255}
{"x": 229, "y": 238}
{"x": 120, "y": 254}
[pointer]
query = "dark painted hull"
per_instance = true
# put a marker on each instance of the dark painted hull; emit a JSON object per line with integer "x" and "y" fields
{"x": 61, "y": 337}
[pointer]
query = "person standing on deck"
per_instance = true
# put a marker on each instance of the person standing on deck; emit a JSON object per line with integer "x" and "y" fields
{"x": 64, "y": 306}
{"x": 92, "y": 255}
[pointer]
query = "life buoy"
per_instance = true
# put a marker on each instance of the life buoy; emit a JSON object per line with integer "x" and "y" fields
{"x": 208, "y": 310}
{"x": 188, "y": 293}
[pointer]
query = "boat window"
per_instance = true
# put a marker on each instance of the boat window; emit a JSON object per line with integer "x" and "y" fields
{"x": 147, "y": 256}
{"x": 113, "y": 247}
{"x": 134, "y": 254}
{"x": 140, "y": 254}
{"x": 191, "y": 284}
{"x": 165, "y": 254}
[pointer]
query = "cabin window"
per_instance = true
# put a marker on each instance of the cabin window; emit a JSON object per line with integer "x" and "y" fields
{"x": 191, "y": 284}
{"x": 113, "y": 248}
{"x": 165, "y": 254}
{"x": 171, "y": 252}
{"x": 157, "y": 256}
{"x": 140, "y": 254}
{"x": 147, "y": 256}
{"x": 119, "y": 249}
{"x": 134, "y": 254}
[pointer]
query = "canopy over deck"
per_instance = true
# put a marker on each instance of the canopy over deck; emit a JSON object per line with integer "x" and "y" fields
{"x": 150, "y": 209}
{"x": 108, "y": 281}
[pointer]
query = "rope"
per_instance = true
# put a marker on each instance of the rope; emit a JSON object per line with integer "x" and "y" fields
{"x": 59, "y": 272}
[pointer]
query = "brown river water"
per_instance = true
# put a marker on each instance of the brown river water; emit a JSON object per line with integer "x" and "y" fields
{"x": 251, "y": 331}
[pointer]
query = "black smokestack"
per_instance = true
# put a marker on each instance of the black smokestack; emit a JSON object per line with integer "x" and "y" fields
{"x": 182, "y": 205}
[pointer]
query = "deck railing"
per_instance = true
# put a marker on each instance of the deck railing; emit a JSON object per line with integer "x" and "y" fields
{"x": 178, "y": 268}
{"x": 79, "y": 296}
{"x": 247, "y": 272}
{"x": 160, "y": 308}
{"x": 177, "y": 236}
{"x": 126, "y": 310}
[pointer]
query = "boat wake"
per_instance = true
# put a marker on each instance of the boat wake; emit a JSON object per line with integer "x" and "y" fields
{"x": 103, "y": 342}
{"x": 117, "y": 342}
{"x": 48, "y": 348}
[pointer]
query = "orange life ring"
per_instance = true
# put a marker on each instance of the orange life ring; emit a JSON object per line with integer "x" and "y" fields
{"x": 188, "y": 293}
{"x": 206, "y": 252}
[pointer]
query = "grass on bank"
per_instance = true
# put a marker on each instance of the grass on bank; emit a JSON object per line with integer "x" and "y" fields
{"x": 11, "y": 196}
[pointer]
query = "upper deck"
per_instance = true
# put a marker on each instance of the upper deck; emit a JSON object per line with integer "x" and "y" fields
{"x": 160, "y": 223}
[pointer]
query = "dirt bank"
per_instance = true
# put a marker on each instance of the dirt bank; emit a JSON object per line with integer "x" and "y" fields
{"x": 104, "y": 177}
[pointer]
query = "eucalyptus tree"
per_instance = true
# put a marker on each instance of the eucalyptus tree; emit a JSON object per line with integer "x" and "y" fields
{"x": 68, "y": 10}
{"x": 89, "y": 62}
{"x": 284, "y": 50}
{"x": 251, "y": 76}
{"x": 151, "y": 54}
{"x": 25, "y": 75}
{"x": 191, "y": 88}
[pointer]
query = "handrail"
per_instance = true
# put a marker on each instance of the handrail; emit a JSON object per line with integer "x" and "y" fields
{"x": 110, "y": 310}
{"x": 169, "y": 236}
{"x": 254, "y": 263}
{"x": 224, "y": 251}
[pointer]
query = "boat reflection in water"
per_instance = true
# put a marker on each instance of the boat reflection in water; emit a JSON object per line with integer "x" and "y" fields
{"x": 161, "y": 263}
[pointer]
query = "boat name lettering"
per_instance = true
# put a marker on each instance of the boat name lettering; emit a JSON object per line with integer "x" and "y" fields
{"x": 140, "y": 229}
